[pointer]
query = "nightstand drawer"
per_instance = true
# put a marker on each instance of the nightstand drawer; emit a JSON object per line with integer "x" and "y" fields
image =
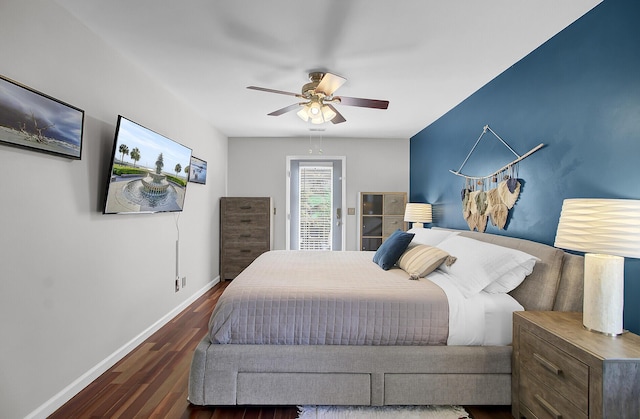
{"x": 544, "y": 402}
{"x": 557, "y": 370}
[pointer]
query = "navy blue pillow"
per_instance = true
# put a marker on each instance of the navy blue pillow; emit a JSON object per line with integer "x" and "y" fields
{"x": 391, "y": 249}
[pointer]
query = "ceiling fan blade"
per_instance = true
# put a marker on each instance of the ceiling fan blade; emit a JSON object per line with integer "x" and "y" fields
{"x": 281, "y": 92}
{"x": 338, "y": 119}
{"x": 285, "y": 110}
{"x": 364, "y": 103}
{"x": 329, "y": 84}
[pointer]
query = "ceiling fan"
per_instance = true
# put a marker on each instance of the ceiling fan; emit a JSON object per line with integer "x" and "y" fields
{"x": 319, "y": 99}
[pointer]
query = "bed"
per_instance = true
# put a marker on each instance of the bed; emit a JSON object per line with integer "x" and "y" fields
{"x": 334, "y": 328}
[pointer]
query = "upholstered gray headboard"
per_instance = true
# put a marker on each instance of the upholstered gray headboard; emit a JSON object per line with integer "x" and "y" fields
{"x": 556, "y": 282}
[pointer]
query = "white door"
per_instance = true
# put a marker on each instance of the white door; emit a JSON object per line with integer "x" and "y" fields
{"x": 315, "y": 193}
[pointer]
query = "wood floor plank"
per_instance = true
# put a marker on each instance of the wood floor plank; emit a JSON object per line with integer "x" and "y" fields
{"x": 117, "y": 409}
{"x": 152, "y": 380}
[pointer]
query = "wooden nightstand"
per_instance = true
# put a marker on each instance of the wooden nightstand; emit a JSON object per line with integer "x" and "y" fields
{"x": 561, "y": 370}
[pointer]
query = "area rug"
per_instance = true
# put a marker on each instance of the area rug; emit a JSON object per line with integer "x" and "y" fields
{"x": 382, "y": 412}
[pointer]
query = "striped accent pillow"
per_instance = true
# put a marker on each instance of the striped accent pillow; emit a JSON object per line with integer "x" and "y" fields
{"x": 422, "y": 259}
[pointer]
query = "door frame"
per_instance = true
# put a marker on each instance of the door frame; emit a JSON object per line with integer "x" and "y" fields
{"x": 343, "y": 161}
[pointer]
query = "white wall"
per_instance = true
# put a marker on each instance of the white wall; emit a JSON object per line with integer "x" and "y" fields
{"x": 78, "y": 285}
{"x": 257, "y": 167}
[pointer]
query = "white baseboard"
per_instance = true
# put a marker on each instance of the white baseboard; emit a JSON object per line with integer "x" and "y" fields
{"x": 87, "y": 378}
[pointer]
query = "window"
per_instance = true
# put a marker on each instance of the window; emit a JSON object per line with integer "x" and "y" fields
{"x": 315, "y": 206}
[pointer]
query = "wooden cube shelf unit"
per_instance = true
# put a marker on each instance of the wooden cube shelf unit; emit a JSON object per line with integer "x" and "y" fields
{"x": 381, "y": 213}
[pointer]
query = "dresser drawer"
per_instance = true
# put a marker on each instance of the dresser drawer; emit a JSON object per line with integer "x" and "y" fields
{"x": 245, "y": 221}
{"x": 235, "y": 260}
{"x": 544, "y": 402}
{"x": 558, "y": 371}
{"x": 246, "y": 206}
{"x": 234, "y": 235}
{"x": 244, "y": 250}
{"x": 391, "y": 224}
{"x": 230, "y": 271}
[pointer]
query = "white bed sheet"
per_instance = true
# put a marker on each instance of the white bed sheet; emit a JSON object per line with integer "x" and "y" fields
{"x": 483, "y": 319}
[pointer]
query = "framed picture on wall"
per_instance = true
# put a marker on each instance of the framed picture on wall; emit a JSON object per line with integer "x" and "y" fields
{"x": 36, "y": 121}
{"x": 198, "y": 171}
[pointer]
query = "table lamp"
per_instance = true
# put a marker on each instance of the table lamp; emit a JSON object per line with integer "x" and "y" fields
{"x": 608, "y": 230}
{"x": 417, "y": 214}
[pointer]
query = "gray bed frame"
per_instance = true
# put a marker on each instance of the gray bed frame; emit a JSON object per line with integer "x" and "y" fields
{"x": 384, "y": 375}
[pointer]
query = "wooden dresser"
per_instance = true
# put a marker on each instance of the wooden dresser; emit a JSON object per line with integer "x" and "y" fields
{"x": 562, "y": 370}
{"x": 245, "y": 233}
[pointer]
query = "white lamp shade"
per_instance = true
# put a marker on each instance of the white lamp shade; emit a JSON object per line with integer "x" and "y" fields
{"x": 609, "y": 230}
{"x": 418, "y": 213}
{"x": 606, "y": 226}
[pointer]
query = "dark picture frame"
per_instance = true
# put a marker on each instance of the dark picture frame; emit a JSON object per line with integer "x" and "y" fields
{"x": 36, "y": 121}
{"x": 198, "y": 171}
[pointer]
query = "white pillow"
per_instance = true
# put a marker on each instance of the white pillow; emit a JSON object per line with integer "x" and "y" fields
{"x": 485, "y": 266}
{"x": 428, "y": 236}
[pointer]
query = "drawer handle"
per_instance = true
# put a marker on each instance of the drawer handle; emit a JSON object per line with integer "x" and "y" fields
{"x": 245, "y": 207}
{"x": 245, "y": 235}
{"x": 394, "y": 222}
{"x": 245, "y": 251}
{"x": 547, "y": 364}
{"x": 547, "y": 406}
{"x": 245, "y": 221}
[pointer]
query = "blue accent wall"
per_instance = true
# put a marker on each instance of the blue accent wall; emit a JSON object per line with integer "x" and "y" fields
{"x": 579, "y": 94}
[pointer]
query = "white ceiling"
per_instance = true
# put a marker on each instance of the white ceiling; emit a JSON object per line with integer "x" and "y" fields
{"x": 423, "y": 56}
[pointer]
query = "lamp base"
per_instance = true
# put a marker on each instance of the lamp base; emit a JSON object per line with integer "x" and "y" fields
{"x": 418, "y": 225}
{"x": 613, "y": 335}
{"x": 603, "y": 302}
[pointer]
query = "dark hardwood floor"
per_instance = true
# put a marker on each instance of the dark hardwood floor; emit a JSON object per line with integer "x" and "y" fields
{"x": 151, "y": 381}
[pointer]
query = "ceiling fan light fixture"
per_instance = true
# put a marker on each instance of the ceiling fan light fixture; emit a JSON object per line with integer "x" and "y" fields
{"x": 327, "y": 113}
{"x": 315, "y": 109}
{"x": 303, "y": 113}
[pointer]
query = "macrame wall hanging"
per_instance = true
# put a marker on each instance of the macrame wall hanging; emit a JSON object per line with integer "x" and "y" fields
{"x": 491, "y": 197}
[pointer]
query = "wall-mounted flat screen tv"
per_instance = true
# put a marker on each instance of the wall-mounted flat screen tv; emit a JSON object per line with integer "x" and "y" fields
{"x": 148, "y": 173}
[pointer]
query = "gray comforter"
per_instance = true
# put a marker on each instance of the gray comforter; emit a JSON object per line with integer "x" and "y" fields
{"x": 328, "y": 298}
